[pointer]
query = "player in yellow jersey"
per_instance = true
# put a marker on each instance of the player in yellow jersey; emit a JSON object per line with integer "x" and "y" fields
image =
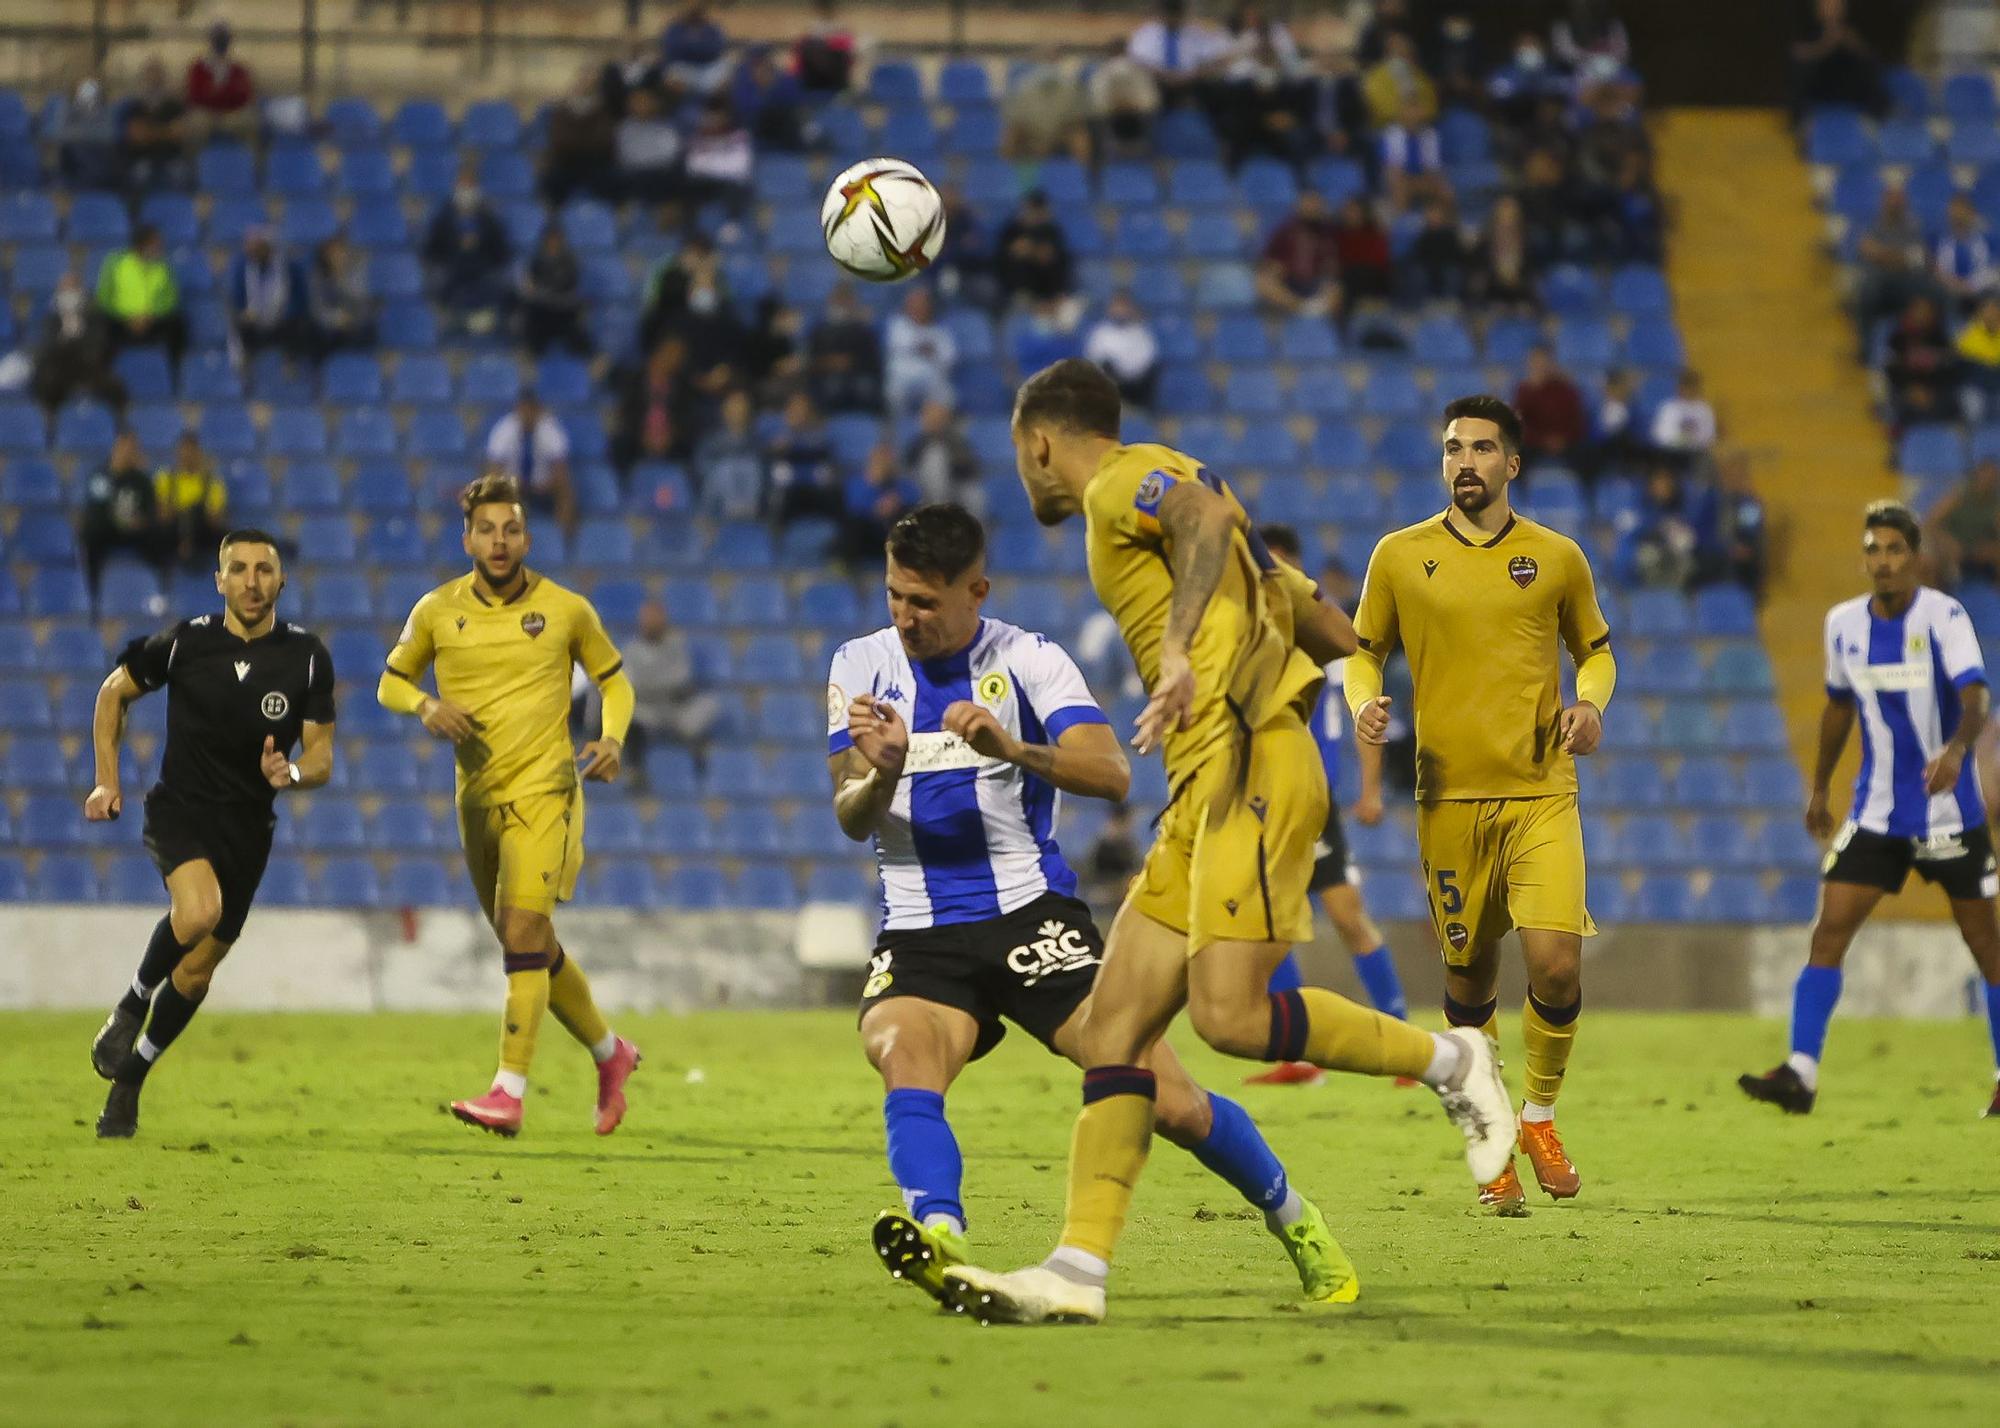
{"x": 503, "y": 639}
{"x": 1230, "y": 643}
{"x": 1484, "y": 601}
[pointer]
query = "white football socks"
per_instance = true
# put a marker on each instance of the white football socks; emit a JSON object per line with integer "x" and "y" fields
{"x": 1807, "y": 1067}
{"x": 514, "y": 1083}
{"x": 1446, "y": 1052}
{"x": 1078, "y": 1266}
{"x": 1534, "y": 1115}
{"x": 603, "y": 1050}
{"x": 1289, "y": 1213}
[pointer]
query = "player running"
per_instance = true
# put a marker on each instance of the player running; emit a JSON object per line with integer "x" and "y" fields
{"x": 952, "y": 738}
{"x": 243, "y": 688}
{"x": 1481, "y": 598}
{"x": 1906, "y": 661}
{"x": 503, "y": 639}
{"x": 1335, "y": 879}
{"x": 1230, "y": 643}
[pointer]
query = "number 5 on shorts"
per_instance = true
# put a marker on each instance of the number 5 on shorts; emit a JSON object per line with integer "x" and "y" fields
{"x": 1450, "y": 900}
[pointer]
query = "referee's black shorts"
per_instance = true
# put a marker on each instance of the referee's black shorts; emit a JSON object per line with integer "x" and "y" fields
{"x": 235, "y": 838}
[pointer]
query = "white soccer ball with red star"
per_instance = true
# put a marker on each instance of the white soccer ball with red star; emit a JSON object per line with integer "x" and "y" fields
{"x": 882, "y": 220}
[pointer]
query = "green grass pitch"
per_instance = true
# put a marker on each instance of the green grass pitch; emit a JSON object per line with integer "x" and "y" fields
{"x": 301, "y": 1236}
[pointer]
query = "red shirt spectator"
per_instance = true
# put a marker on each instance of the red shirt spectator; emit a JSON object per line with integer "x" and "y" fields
{"x": 1301, "y": 263}
{"x": 1553, "y": 421}
{"x": 215, "y": 82}
{"x": 1363, "y": 246}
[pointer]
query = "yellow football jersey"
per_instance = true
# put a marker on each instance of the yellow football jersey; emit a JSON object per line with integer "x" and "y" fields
{"x": 508, "y": 665}
{"x": 1245, "y": 667}
{"x": 1481, "y": 623}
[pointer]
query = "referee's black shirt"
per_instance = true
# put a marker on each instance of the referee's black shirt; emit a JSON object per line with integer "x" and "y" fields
{"x": 224, "y": 696}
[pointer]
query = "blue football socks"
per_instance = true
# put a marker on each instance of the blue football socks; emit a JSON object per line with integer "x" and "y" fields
{"x": 1287, "y": 977}
{"x": 1813, "y": 1000}
{"x": 1235, "y": 1150}
{"x": 923, "y": 1154}
{"x": 1377, "y": 971}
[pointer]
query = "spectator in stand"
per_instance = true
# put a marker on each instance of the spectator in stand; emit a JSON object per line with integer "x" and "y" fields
{"x": 1922, "y": 367}
{"x": 1124, "y": 101}
{"x": 1831, "y": 65}
{"x": 1553, "y": 422}
{"x": 845, "y": 356}
{"x": 1590, "y": 32}
{"x": 467, "y": 252}
{"x": 825, "y": 56}
{"x": 921, "y": 353}
{"x": 86, "y": 136}
{"x": 1184, "y": 56}
{"x": 1549, "y": 204}
{"x": 138, "y": 298}
{"x": 1045, "y": 334}
{"x": 1123, "y": 344}
{"x": 1361, "y": 246}
{"x": 340, "y": 310}
{"x": 804, "y": 479}
{"x": 121, "y": 511}
{"x": 1437, "y": 265}
{"x": 770, "y": 100}
{"x": 875, "y": 500}
{"x": 1741, "y": 526}
{"x": 965, "y": 267}
{"x": 1043, "y": 115}
{"x": 582, "y": 151}
{"x": 74, "y": 354}
{"x": 648, "y": 149}
{"x": 620, "y": 79}
{"x": 1033, "y": 257}
{"x": 1299, "y": 274}
{"x": 719, "y": 162}
{"x": 728, "y": 465}
{"x": 1965, "y": 528}
{"x": 1503, "y": 264}
{"x": 1261, "y": 95}
{"x": 1336, "y": 113}
{"x": 1410, "y": 161}
{"x": 1609, "y": 129}
{"x": 220, "y": 88}
{"x": 193, "y": 503}
{"x": 1459, "y": 64}
{"x": 1112, "y": 863}
{"x": 659, "y": 408}
{"x": 669, "y": 704}
{"x": 942, "y": 462}
{"x": 686, "y": 293}
{"x": 1670, "y": 542}
{"x": 1517, "y": 88}
{"x": 1634, "y": 227}
{"x": 1616, "y": 443}
{"x": 1979, "y": 360}
{"x": 530, "y": 445}
{"x": 153, "y": 133}
{"x": 1964, "y": 257}
{"x": 694, "y": 51}
{"x": 267, "y": 300}
{"x": 1684, "y": 427}
{"x": 1396, "y": 88}
{"x": 1384, "y": 18}
{"x": 1894, "y": 262}
{"x": 774, "y": 361}
{"x": 551, "y": 296}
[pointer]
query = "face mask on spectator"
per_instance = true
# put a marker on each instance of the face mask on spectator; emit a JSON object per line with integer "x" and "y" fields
{"x": 1528, "y": 57}
{"x": 466, "y": 197}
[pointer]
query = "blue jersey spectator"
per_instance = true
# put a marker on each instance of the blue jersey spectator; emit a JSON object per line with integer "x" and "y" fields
{"x": 695, "y": 51}
{"x": 267, "y": 299}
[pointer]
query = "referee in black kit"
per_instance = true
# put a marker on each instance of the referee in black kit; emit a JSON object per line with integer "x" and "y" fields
{"x": 243, "y": 688}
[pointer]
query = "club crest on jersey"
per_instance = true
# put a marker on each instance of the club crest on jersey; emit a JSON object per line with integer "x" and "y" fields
{"x": 992, "y": 689}
{"x": 533, "y": 623}
{"x": 879, "y": 976}
{"x": 275, "y": 705}
{"x": 1456, "y": 934}
{"x": 1058, "y": 947}
{"x": 1523, "y": 570}
{"x": 836, "y": 706}
{"x": 1152, "y": 488}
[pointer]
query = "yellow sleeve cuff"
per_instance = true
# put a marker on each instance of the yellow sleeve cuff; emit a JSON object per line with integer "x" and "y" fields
{"x": 619, "y": 697}
{"x": 1596, "y": 677}
{"x": 399, "y": 694}
{"x": 1361, "y": 679}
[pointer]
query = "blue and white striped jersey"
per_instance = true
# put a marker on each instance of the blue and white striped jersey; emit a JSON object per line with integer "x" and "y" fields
{"x": 967, "y": 838}
{"x": 1905, "y": 675}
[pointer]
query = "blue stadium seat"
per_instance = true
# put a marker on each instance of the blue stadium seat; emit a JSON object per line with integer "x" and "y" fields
{"x": 25, "y": 707}
{"x": 765, "y": 887}
{"x": 606, "y": 541}
{"x": 490, "y": 378}
{"x": 27, "y": 218}
{"x": 964, "y": 82}
{"x": 341, "y": 595}
{"x": 1128, "y": 185}
{"x": 327, "y": 540}
{"x": 98, "y": 220}
{"x": 1142, "y": 234}
{"x": 38, "y": 268}
{"x": 408, "y": 327}
{"x": 225, "y": 170}
{"x": 332, "y": 825}
{"x": 973, "y": 132}
{"x": 1967, "y": 99}
{"x": 1708, "y": 781}
{"x": 296, "y": 431}
{"x": 1658, "y": 614}
{"x": 378, "y": 224}
{"x": 1666, "y": 898}
{"x": 895, "y": 82}
{"x": 1253, "y": 392}
{"x": 130, "y": 592}
{"x": 1838, "y": 138}
{"x": 1655, "y": 343}
{"x": 907, "y": 130}
{"x": 420, "y": 882}
{"x": 132, "y": 878}
{"x": 401, "y": 825}
{"x": 1224, "y": 287}
{"x": 32, "y": 481}
{"x": 35, "y": 763}
{"x": 350, "y": 882}
{"x": 1184, "y": 134}
{"x": 51, "y": 820}
{"x": 624, "y": 882}
{"x": 363, "y": 432}
{"x": 591, "y": 226}
{"x": 421, "y": 124}
{"x": 350, "y": 378}
{"x": 694, "y": 887}
{"x": 1440, "y": 341}
{"x": 66, "y": 877}
{"x": 1586, "y": 342}
{"x": 292, "y": 170}
{"x": 421, "y": 379}
{"x": 436, "y": 434}
{"x": 352, "y": 120}
{"x": 617, "y": 828}
{"x": 307, "y": 223}
{"x": 1932, "y": 452}
{"x": 83, "y": 428}
{"x": 46, "y": 538}
{"x": 174, "y": 215}
{"x": 382, "y": 488}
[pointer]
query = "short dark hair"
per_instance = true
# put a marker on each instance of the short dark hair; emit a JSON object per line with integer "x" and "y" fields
{"x": 1895, "y": 516}
{"x": 249, "y": 535}
{"x": 492, "y": 489}
{"x": 1073, "y": 394}
{"x": 942, "y": 540}
{"x": 143, "y": 234}
{"x": 1485, "y": 407}
{"x": 1282, "y": 540}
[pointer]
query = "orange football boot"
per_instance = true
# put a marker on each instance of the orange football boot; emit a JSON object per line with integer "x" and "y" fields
{"x": 1504, "y": 1196}
{"x": 1553, "y": 1170}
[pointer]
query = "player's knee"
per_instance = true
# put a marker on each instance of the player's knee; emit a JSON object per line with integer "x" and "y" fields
{"x": 195, "y": 915}
{"x": 1234, "y": 1026}
{"x": 524, "y": 934}
{"x": 196, "y": 970}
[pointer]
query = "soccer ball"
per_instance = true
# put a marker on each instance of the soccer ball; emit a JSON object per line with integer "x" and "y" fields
{"x": 882, "y": 220}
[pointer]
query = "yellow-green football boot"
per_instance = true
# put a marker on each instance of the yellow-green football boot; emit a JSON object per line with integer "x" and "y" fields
{"x": 917, "y": 1253}
{"x": 1325, "y": 1272}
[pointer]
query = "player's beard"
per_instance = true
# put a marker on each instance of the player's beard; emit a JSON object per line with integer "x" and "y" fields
{"x": 1471, "y": 499}
{"x": 501, "y": 583}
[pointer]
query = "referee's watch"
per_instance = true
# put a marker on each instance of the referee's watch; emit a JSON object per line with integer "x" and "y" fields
{"x": 293, "y": 770}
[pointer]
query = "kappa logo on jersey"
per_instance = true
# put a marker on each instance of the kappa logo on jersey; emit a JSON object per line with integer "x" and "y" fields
{"x": 879, "y": 975}
{"x": 533, "y": 623}
{"x": 275, "y": 705}
{"x": 1456, "y": 934}
{"x": 1523, "y": 570}
{"x": 242, "y": 669}
{"x": 1059, "y": 948}
{"x": 993, "y": 689}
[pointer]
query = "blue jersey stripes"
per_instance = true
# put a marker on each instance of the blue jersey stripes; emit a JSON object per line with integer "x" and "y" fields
{"x": 967, "y": 838}
{"x": 1905, "y": 675}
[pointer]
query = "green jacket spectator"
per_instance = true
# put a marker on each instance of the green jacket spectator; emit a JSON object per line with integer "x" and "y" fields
{"x": 139, "y": 298}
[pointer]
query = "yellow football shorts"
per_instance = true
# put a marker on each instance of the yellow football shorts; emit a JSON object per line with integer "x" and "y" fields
{"x": 1492, "y": 864}
{"x": 1234, "y": 854}
{"x": 526, "y": 853}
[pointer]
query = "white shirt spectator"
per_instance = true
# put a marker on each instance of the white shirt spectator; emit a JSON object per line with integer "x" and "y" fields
{"x": 1410, "y": 151}
{"x": 917, "y": 362}
{"x": 1192, "y": 47}
{"x": 1127, "y": 350}
{"x": 646, "y": 145}
{"x": 724, "y": 157}
{"x": 1684, "y": 424}
{"x": 533, "y": 464}
{"x": 1264, "y": 59}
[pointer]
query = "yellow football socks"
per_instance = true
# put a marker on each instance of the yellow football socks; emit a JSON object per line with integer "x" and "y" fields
{"x": 572, "y": 1003}
{"x": 527, "y": 999}
{"x": 1345, "y": 1036}
{"x": 1107, "y": 1152}
{"x": 1547, "y": 1033}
